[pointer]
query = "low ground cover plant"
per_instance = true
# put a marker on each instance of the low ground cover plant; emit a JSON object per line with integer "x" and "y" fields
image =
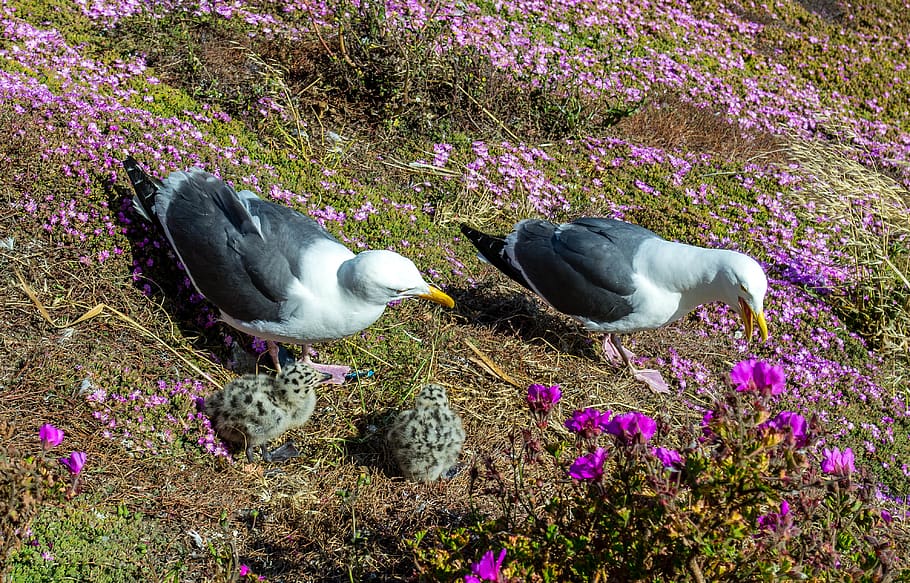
{"x": 752, "y": 493}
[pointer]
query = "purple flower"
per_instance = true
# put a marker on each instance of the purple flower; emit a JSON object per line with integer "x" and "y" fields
{"x": 50, "y": 436}
{"x": 632, "y": 428}
{"x": 589, "y": 466}
{"x": 775, "y": 520}
{"x": 755, "y": 375}
{"x": 589, "y": 422}
{"x": 837, "y": 462}
{"x": 542, "y": 398}
{"x": 792, "y": 423}
{"x": 244, "y": 570}
{"x": 74, "y": 462}
{"x": 487, "y": 568}
{"x": 670, "y": 458}
{"x": 886, "y": 516}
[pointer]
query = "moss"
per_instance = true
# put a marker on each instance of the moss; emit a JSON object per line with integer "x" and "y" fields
{"x": 90, "y": 542}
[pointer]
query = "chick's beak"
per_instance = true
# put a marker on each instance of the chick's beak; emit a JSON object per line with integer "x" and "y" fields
{"x": 759, "y": 318}
{"x": 438, "y": 296}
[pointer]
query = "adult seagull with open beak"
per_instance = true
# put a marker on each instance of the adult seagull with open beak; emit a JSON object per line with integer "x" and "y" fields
{"x": 615, "y": 277}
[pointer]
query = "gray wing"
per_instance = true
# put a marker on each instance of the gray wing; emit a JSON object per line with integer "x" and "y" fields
{"x": 582, "y": 268}
{"x": 241, "y": 252}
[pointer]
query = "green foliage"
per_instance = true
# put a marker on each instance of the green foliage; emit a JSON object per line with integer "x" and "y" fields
{"x": 746, "y": 501}
{"x": 26, "y": 484}
{"x": 87, "y": 543}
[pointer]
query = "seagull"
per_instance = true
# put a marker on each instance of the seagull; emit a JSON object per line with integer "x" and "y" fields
{"x": 616, "y": 278}
{"x": 271, "y": 271}
{"x": 255, "y": 409}
{"x": 426, "y": 440}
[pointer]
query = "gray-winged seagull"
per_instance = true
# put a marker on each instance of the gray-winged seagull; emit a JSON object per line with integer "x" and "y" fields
{"x": 271, "y": 271}
{"x": 616, "y": 278}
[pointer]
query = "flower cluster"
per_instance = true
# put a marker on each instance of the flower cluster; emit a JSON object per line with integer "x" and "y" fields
{"x": 150, "y": 420}
{"x": 639, "y": 509}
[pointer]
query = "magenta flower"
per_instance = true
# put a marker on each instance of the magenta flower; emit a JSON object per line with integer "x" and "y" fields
{"x": 74, "y": 462}
{"x": 706, "y": 423}
{"x": 837, "y": 462}
{"x": 487, "y": 568}
{"x": 755, "y": 375}
{"x": 670, "y": 458}
{"x": 542, "y": 398}
{"x": 589, "y": 466}
{"x": 50, "y": 436}
{"x": 589, "y": 422}
{"x": 244, "y": 570}
{"x": 632, "y": 428}
{"x": 776, "y": 520}
{"x": 793, "y": 424}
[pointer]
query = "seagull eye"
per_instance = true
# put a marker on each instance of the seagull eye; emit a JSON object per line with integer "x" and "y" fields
{"x": 742, "y": 287}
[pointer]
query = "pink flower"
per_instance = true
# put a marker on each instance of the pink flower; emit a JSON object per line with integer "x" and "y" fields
{"x": 50, "y": 436}
{"x": 244, "y": 570}
{"x": 837, "y": 462}
{"x": 589, "y": 466}
{"x": 74, "y": 462}
{"x": 631, "y": 428}
{"x": 754, "y": 375}
{"x": 542, "y": 398}
{"x": 589, "y": 422}
{"x": 487, "y": 568}
{"x": 776, "y": 521}
{"x": 793, "y": 424}
{"x": 670, "y": 458}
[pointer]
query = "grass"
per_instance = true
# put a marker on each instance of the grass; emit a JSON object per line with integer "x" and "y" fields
{"x": 156, "y": 505}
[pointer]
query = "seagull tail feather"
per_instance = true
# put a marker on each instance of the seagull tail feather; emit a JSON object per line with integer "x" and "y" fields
{"x": 492, "y": 250}
{"x": 146, "y": 187}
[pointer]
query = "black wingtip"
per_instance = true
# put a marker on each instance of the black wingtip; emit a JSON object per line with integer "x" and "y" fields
{"x": 146, "y": 188}
{"x": 492, "y": 250}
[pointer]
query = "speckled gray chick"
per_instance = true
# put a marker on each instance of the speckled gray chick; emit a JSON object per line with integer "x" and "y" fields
{"x": 426, "y": 440}
{"x": 255, "y": 409}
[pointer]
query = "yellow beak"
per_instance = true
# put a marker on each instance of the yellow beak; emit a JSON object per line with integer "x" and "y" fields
{"x": 438, "y": 296}
{"x": 748, "y": 315}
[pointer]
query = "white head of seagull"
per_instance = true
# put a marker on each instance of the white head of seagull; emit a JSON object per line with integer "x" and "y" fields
{"x": 379, "y": 277}
{"x": 271, "y": 271}
{"x": 617, "y": 278}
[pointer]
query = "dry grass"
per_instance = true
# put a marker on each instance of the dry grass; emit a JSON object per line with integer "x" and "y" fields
{"x": 872, "y": 209}
{"x": 672, "y": 124}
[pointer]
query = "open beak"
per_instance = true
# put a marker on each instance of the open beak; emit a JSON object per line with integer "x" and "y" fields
{"x": 438, "y": 296}
{"x": 748, "y": 316}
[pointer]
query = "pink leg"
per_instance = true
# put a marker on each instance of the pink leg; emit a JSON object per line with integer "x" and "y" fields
{"x": 338, "y": 371}
{"x": 652, "y": 378}
{"x": 614, "y": 351}
{"x": 273, "y": 352}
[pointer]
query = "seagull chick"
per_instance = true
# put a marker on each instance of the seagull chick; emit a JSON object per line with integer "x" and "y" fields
{"x": 255, "y": 409}
{"x": 426, "y": 440}
{"x": 271, "y": 271}
{"x": 615, "y": 277}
